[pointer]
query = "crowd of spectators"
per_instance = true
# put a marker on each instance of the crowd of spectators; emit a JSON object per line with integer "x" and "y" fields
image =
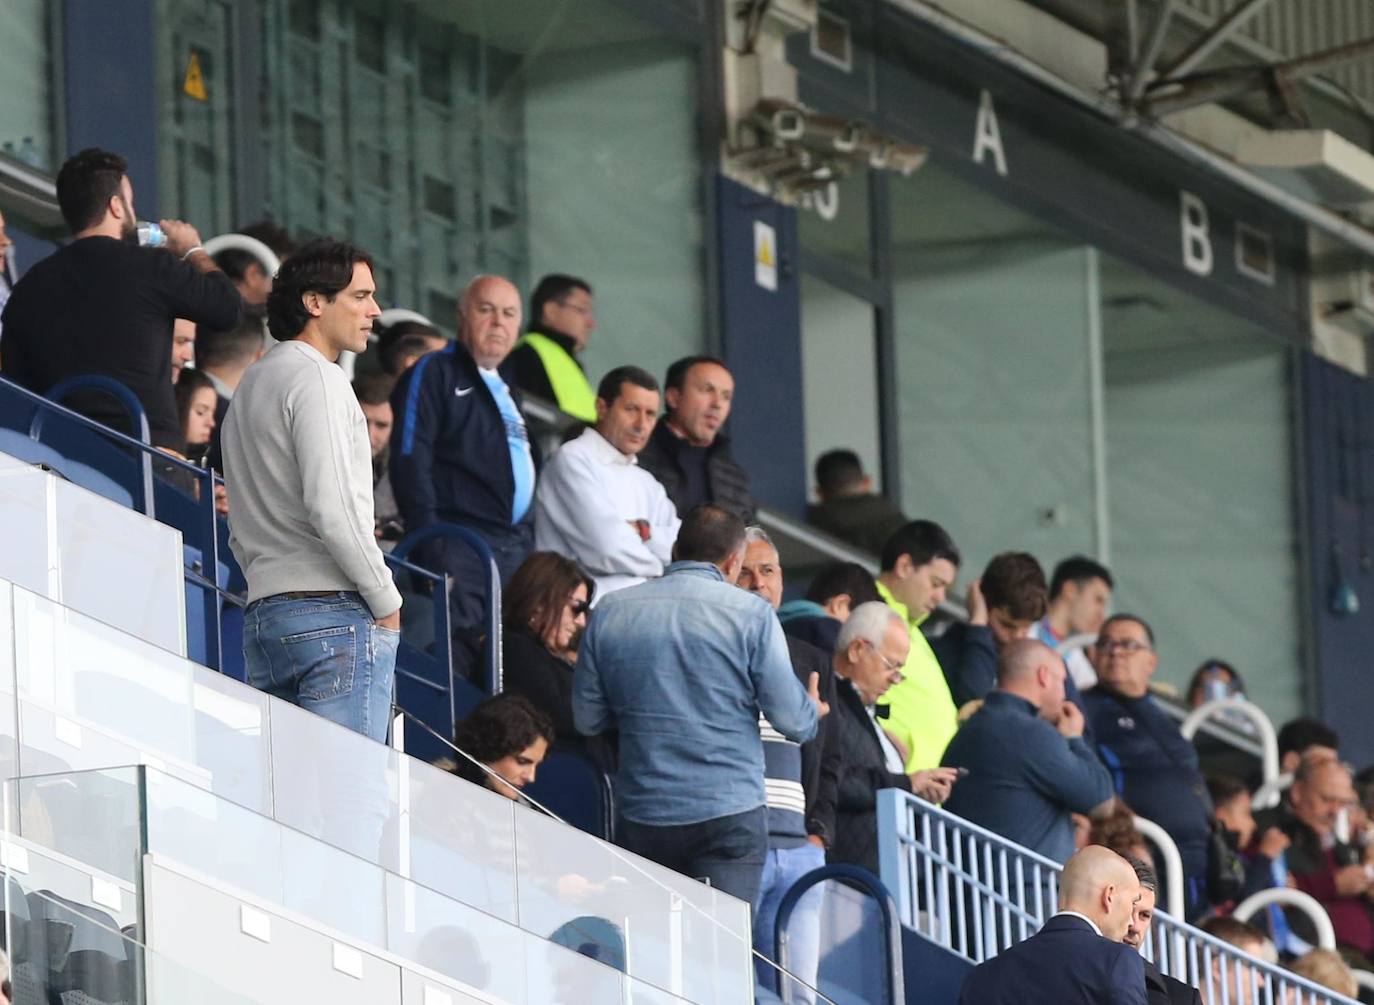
{"x": 645, "y": 622}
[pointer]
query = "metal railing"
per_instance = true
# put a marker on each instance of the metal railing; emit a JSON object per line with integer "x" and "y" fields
{"x": 1236, "y": 705}
{"x": 974, "y": 893}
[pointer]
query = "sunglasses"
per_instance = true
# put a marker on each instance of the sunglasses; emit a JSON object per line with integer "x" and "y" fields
{"x": 579, "y": 607}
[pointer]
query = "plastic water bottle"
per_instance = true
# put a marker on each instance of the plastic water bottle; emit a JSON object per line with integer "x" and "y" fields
{"x": 150, "y": 235}
{"x": 28, "y": 153}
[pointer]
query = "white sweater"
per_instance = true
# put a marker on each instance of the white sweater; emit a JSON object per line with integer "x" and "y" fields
{"x": 587, "y": 496}
{"x": 298, "y": 468}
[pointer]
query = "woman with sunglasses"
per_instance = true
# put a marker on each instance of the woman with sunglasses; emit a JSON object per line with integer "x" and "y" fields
{"x": 544, "y": 610}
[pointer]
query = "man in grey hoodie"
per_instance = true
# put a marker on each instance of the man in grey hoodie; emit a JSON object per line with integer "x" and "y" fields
{"x": 323, "y": 617}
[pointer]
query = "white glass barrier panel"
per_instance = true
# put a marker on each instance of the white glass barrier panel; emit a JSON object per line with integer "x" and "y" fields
{"x": 24, "y": 498}
{"x": 9, "y": 727}
{"x": 424, "y": 989}
{"x": 671, "y": 931}
{"x": 257, "y": 952}
{"x": 409, "y": 817}
{"x": 142, "y": 703}
{"x": 81, "y": 550}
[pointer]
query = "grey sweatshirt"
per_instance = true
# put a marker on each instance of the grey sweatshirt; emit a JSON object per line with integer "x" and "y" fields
{"x": 298, "y": 468}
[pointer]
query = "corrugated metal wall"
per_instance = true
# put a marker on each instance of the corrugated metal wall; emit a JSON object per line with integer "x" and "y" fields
{"x": 1299, "y": 27}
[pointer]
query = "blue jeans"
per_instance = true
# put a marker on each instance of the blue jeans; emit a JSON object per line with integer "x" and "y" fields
{"x": 782, "y": 868}
{"x": 326, "y": 654}
{"x": 728, "y": 852}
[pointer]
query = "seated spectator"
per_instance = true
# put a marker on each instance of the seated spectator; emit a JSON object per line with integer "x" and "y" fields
{"x": 509, "y": 737}
{"x": 595, "y": 504}
{"x": 460, "y": 453}
{"x": 1080, "y": 592}
{"x": 247, "y": 273}
{"x": 1325, "y": 866}
{"x": 1080, "y": 954}
{"x": 1003, "y": 605}
{"x": 374, "y": 398}
{"x": 682, "y": 666}
{"x": 1325, "y": 967}
{"x": 544, "y": 611}
{"x": 1116, "y": 830}
{"x": 1306, "y": 738}
{"x": 196, "y": 410}
{"x": 401, "y": 344}
{"x": 121, "y": 325}
{"x": 1155, "y": 768}
{"x": 800, "y": 782}
{"x": 183, "y": 346}
{"x": 1264, "y": 863}
{"x": 919, "y": 564}
{"x": 1028, "y": 768}
{"x": 1160, "y": 988}
{"x": 686, "y": 452}
{"x": 869, "y": 656}
{"x": 1214, "y": 679}
{"x": 545, "y": 363}
{"x": 224, "y": 357}
{"x": 835, "y": 591}
{"x": 1229, "y": 982}
{"x": 849, "y": 508}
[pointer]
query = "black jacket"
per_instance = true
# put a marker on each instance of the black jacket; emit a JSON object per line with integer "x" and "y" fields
{"x": 449, "y": 458}
{"x": 821, "y": 755}
{"x": 727, "y": 482}
{"x": 862, "y": 774}
{"x": 104, "y": 306}
{"x": 1161, "y": 989}
{"x": 1065, "y": 963}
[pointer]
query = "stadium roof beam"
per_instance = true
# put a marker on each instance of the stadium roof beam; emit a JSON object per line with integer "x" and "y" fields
{"x": 1212, "y": 39}
{"x": 1158, "y": 31}
{"x": 1210, "y": 87}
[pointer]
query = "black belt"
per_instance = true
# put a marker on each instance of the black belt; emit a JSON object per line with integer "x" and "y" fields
{"x": 309, "y": 594}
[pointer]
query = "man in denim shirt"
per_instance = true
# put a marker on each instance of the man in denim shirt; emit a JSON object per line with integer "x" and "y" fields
{"x": 681, "y": 666}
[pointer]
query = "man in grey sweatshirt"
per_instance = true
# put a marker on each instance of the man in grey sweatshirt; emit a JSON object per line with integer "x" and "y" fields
{"x": 323, "y": 617}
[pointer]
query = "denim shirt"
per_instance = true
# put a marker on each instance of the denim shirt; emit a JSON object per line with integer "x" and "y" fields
{"x": 681, "y": 666}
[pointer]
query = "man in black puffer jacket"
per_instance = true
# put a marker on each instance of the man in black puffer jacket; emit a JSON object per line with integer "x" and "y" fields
{"x": 686, "y": 451}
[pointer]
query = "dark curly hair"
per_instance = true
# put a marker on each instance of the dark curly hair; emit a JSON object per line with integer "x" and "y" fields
{"x": 86, "y": 184}
{"x": 322, "y": 266}
{"x": 497, "y": 728}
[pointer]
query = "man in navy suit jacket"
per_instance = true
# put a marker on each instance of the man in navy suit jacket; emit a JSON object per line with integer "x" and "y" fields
{"x": 1078, "y": 957}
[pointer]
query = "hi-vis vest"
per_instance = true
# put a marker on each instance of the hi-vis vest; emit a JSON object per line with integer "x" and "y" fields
{"x": 572, "y": 393}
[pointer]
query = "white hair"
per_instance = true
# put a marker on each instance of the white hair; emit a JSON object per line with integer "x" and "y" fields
{"x": 869, "y": 622}
{"x": 754, "y": 534}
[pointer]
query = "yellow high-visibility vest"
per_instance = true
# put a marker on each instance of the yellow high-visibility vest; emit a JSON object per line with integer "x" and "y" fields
{"x": 571, "y": 391}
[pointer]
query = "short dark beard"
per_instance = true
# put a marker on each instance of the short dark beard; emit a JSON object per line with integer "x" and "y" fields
{"x": 130, "y": 232}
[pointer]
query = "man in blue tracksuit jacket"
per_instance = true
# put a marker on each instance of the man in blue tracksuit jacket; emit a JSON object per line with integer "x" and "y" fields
{"x": 460, "y": 452}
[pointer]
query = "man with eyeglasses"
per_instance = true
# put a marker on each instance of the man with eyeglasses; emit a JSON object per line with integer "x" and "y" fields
{"x": 1338, "y": 874}
{"x": 544, "y": 362}
{"x": 1154, "y": 767}
{"x": 460, "y": 453}
{"x": 870, "y": 654}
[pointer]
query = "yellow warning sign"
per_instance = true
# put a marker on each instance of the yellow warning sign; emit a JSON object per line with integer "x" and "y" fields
{"x": 194, "y": 84}
{"x": 765, "y": 256}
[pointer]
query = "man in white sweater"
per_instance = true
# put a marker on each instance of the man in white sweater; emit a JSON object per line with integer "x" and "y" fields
{"x": 323, "y": 619}
{"x": 595, "y": 504}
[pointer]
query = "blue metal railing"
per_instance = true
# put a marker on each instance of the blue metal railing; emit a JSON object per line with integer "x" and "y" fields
{"x": 865, "y": 882}
{"x": 492, "y": 588}
{"x": 975, "y": 894}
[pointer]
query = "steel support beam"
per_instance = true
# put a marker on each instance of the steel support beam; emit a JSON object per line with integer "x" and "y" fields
{"x": 1141, "y": 76}
{"x": 1212, "y": 39}
{"x": 1203, "y": 90}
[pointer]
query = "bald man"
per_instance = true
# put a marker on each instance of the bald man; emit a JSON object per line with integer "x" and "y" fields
{"x": 1078, "y": 957}
{"x": 1028, "y": 766}
{"x": 460, "y": 452}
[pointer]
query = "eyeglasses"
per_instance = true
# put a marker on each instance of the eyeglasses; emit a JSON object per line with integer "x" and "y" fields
{"x": 892, "y": 665}
{"x": 579, "y": 607}
{"x": 1130, "y": 646}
